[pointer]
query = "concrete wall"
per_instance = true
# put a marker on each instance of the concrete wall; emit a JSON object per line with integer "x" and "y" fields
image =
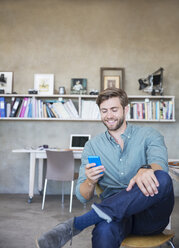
{"x": 74, "y": 39}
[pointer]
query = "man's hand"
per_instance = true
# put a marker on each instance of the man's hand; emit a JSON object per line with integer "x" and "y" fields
{"x": 146, "y": 181}
{"x": 93, "y": 172}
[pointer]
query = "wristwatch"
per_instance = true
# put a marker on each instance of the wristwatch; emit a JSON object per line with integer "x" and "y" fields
{"x": 145, "y": 166}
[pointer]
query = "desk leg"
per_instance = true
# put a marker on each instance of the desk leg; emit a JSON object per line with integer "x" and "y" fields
{"x": 40, "y": 179}
{"x": 31, "y": 176}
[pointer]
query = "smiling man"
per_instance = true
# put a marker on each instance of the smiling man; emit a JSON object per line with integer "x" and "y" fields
{"x": 137, "y": 193}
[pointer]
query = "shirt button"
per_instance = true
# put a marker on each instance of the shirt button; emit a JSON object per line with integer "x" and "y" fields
{"x": 117, "y": 145}
{"x": 122, "y": 173}
{"x": 120, "y": 159}
{"x": 128, "y": 137}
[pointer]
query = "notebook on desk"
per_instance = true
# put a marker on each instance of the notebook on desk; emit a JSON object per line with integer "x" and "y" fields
{"x": 77, "y": 141}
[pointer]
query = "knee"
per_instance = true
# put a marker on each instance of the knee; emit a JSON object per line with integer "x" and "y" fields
{"x": 165, "y": 181}
{"x": 106, "y": 235}
{"x": 102, "y": 229}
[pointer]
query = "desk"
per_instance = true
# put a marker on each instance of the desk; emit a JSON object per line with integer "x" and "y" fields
{"x": 174, "y": 170}
{"x": 40, "y": 155}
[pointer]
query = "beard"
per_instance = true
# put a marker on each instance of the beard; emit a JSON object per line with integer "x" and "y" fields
{"x": 115, "y": 127}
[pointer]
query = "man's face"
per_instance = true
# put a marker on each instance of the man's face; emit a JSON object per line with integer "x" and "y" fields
{"x": 112, "y": 113}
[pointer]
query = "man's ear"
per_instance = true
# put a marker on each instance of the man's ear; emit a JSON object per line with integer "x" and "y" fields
{"x": 126, "y": 109}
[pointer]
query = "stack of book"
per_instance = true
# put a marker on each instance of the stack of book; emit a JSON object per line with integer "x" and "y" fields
{"x": 150, "y": 110}
{"x": 28, "y": 107}
{"x": 90, "y": 110}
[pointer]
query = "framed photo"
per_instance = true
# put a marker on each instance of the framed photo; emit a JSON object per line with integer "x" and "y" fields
{"x": 6, "y": 81}
{"x": 78, "y": 86}
{"x": 111, "y": 81}
{"x": 44, "y": 84}
{"x": 111, "y": 77}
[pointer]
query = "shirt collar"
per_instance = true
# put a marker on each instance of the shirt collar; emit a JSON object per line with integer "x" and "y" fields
{"x": 127, "y": 133}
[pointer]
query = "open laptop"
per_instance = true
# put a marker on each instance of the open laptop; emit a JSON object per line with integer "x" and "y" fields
{"x": 77, "y": 141}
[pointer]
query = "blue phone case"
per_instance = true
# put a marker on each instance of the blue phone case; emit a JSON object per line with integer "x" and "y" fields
{"x": 94, "y": 159}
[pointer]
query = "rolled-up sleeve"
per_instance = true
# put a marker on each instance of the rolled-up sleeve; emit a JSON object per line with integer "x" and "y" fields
{"x": 156, "y": 150}
{"x": 82, "y": 176}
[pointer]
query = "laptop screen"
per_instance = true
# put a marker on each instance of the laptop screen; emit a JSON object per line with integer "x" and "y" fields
{"x": 77, "y": 141}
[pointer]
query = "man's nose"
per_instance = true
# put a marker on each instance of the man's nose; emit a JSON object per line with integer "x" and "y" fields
{"x": 109, "y": 114}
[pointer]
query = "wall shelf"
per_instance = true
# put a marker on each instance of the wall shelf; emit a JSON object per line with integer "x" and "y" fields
{"x": 141, "y": 108}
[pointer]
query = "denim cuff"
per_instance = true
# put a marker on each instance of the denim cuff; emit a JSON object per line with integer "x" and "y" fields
{"x": 101, "y": 214}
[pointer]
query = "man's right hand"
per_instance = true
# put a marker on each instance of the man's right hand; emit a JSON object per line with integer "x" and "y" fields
{"x": 93, "y": 173}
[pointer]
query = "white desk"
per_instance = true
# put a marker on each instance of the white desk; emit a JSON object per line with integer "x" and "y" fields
{"x": 40, "y": 155}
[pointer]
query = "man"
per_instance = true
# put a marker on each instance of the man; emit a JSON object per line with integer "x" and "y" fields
{"x": 137, "y": 192}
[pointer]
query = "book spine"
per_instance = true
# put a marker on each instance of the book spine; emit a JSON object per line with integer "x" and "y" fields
{"x": 24, "y": 106}
{"x": 15, "y": 107}
{"x": 2, "y": 107}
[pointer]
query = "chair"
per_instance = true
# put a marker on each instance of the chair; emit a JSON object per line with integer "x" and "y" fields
{"x": 137, "y": 241}
{"x": 60, "y": 167}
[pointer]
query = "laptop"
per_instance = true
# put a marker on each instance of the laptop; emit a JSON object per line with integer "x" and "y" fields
{"x": 77, "y": 141}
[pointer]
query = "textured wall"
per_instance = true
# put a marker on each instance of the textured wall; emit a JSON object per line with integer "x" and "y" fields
{"x": 74, "y": 39}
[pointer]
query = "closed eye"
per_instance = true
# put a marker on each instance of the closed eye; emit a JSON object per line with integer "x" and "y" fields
{"x": 104, "y": 111}
{"x": 114, "y": 109}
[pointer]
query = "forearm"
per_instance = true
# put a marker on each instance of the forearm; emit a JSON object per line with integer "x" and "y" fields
{"x": 156, "y": 167}
{"x": 87, "y": 189}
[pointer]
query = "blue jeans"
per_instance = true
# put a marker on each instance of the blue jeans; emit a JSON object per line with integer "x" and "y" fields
{"x": 134, "y": 213}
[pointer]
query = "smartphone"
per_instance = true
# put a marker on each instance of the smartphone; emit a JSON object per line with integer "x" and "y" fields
{"x": 96, "y": 160}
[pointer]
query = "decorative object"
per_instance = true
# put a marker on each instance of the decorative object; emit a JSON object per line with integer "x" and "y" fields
{"x": 62, "y": 90}
{"x": 32, "y": 91}
{"x": 94, "y": 92}
{"x": 78, "y": 85}
{"x": 44, "y": 84}
{"x": 154, "y": 83}
{"x": 6, "y": 82}
{"x": 111, "y": 77}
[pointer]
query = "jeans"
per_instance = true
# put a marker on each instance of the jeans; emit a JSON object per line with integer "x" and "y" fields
{"x": 134, "y": 213}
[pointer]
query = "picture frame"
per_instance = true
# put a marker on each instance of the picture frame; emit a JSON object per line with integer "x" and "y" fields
{"x": 79, "y": 86}
{"x": 44, "y": 84}
{"x": 6, "y": 79}
{"x": 111, "y": 77}
{"x": 111, "y": 81}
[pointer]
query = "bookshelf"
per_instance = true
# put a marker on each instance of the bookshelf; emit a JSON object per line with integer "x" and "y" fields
{"x": 151, "y": 108}
{"x": 84, "y": 108}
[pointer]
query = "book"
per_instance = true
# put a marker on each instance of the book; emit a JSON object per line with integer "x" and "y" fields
{"x": 44, "y": 111}
{"x": 49, "y": 112}
{"x": 29, "y": 114}
{"x": 52, "y": 112}
{"x": 60, "y": 110}
{"x": 73, "y": 108}
{"x": 8, "y": 109}
{"x": 95, "y": 114}
{"x": 15, "y": 107}
{"x": 27, "y": 108}
{"x": 40, "y": 108}
{"x": 170, "y": 111}
{"x": 2, "y": 107}
{"x": 85, "y": 110}
{"x": 24, "y": 106}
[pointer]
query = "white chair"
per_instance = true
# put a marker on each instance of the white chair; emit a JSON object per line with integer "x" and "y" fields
{"x": 60, "y": 167}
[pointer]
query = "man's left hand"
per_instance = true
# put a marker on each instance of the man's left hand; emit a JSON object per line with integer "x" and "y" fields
{"x": 146, "y": 181}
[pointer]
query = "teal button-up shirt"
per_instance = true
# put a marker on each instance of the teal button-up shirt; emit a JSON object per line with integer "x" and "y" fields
{"x": 142, "y": 145}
